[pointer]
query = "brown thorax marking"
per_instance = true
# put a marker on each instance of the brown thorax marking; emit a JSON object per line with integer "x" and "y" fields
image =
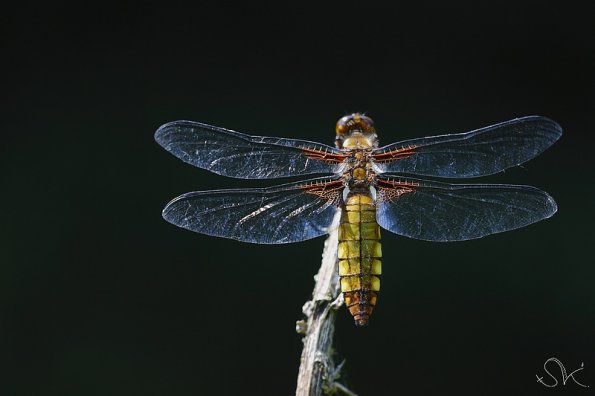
{"x": 359, "y": 168}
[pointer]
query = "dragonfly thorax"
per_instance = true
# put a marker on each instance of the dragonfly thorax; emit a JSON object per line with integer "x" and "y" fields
{"x": 359, "y": 172}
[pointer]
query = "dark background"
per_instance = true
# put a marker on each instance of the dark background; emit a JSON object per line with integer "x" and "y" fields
{"x": 100, "y": 296}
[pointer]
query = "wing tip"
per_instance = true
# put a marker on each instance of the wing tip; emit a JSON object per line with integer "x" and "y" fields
{"x": 552, "y": 205}
{"x": 161, "y": 133}
{"x": 166, "y": 212}
{"x": 555, "y": 127}
{"x": 171, "y": 206}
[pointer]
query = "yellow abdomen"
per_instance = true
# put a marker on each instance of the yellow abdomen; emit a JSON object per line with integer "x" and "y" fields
{"x": 360, "y": 256}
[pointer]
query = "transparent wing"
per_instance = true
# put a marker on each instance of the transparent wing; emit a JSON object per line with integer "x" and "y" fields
{"x": 235, "y": 154}
{"x": 282, "y": 214}
{"x": 477, "y": 153}
{"x": 443, "y": 212}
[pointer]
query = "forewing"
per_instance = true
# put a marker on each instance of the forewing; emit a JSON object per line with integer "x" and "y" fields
{"x": 477, "y": 153}
{"x": 443, "y": 212}
{"x": 235, "y": 154}
{"x": 282, "y": 214}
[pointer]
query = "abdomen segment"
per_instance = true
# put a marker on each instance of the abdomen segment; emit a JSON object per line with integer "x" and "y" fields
{"x": 360, "y": 256}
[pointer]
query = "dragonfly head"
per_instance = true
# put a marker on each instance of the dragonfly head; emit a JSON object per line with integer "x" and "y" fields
{"x": 356, "y": 131}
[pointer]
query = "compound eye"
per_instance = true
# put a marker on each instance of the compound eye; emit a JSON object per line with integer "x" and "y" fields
{"x": 367, "y": 122}
{"x": 343, "y": 125}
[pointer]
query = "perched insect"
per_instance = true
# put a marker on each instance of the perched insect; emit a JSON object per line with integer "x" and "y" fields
{"x": 365, "y": 185}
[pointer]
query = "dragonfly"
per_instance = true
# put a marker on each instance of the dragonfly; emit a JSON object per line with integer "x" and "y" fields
{"x": 360, "y": 188}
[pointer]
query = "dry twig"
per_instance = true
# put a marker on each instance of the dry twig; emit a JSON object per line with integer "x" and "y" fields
{"x": 317, "y": 372}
